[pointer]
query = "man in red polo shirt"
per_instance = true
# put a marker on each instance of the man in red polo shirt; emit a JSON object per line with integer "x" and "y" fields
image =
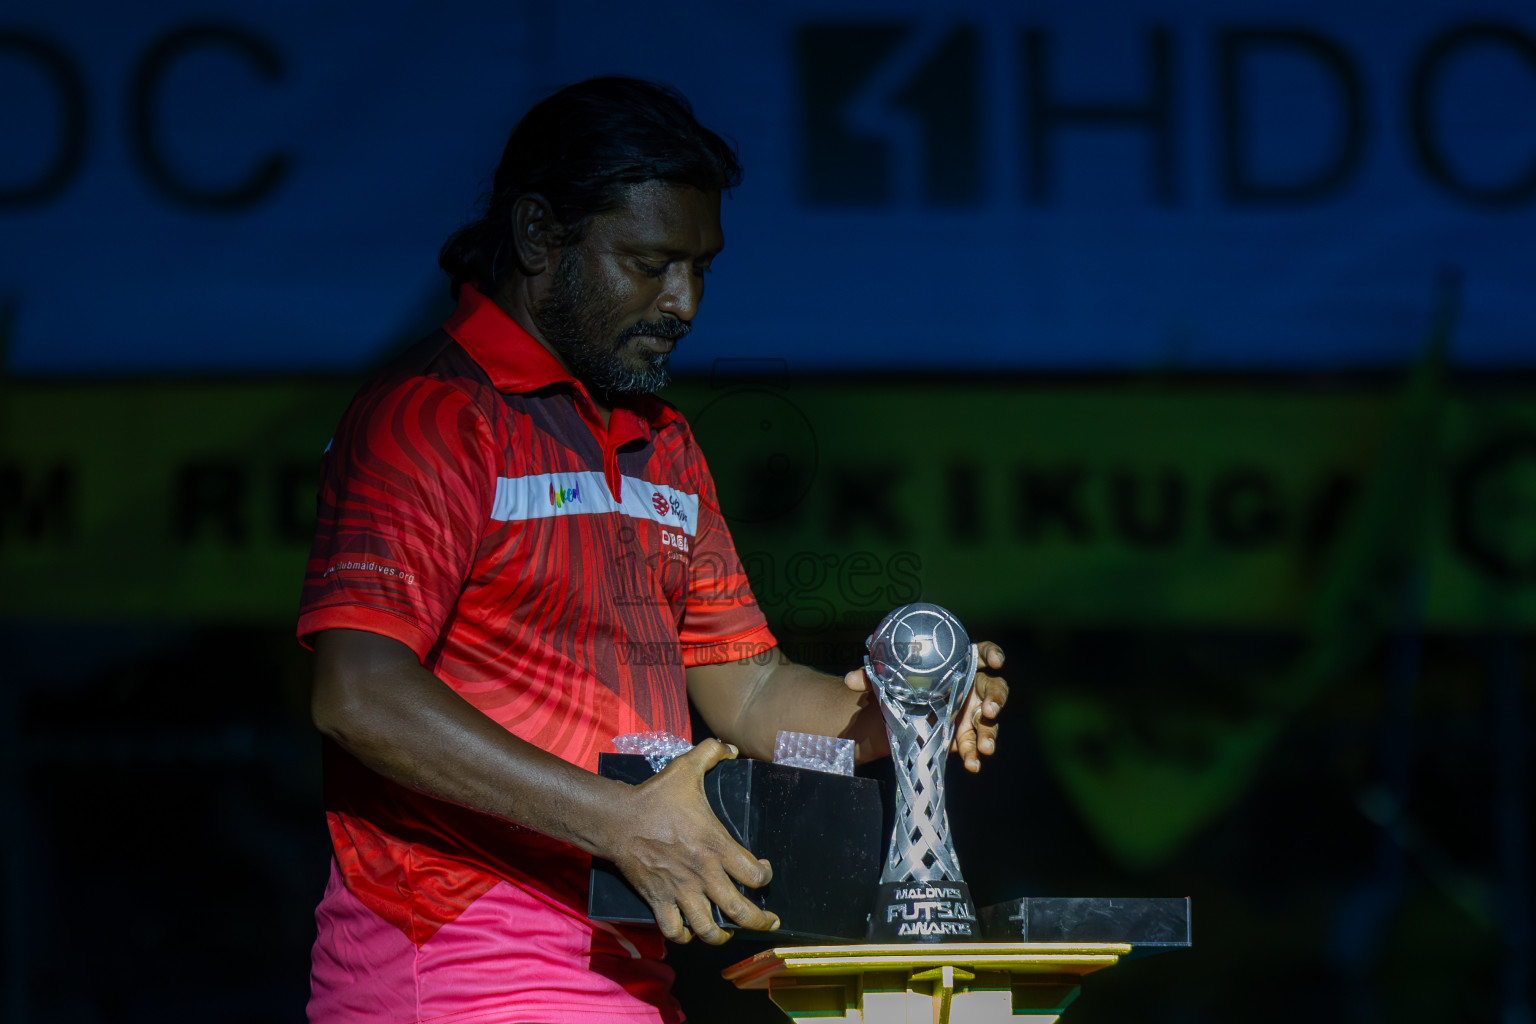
{"x": 519, "y": 557}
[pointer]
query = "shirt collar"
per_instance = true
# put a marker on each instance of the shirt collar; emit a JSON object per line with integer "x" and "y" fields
{"x": 517, "y": 363}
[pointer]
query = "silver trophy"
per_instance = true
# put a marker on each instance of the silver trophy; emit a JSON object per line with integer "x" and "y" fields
{"x": 921, "y": 664}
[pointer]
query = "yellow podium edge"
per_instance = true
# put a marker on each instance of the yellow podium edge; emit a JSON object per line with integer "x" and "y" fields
{"x": 1015, "y": 957}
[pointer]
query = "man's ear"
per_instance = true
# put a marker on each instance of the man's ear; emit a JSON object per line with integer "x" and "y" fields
{"x": 535, "y": 234}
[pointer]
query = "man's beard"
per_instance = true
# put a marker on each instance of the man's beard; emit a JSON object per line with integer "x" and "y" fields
{"x": 575, "y": 322}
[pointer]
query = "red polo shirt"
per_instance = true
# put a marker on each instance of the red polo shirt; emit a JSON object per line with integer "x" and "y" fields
{"x": 556, "y": 573}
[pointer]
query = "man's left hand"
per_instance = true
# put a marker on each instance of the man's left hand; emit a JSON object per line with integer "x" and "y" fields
{"x": 976, "y": 725}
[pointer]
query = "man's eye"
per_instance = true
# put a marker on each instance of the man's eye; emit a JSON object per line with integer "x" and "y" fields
{"x": 649, "y": 269}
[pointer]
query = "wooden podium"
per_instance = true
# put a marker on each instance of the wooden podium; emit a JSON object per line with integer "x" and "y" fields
{"x": 940, "y": 983}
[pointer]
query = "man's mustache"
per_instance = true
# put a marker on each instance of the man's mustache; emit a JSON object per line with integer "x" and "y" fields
{"x": 670, "y": 330}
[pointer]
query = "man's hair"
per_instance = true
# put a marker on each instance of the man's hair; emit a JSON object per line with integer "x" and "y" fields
{"x": 580, "y": 149}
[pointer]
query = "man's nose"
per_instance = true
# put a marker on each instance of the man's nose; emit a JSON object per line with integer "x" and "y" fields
{"x": 681, "y": 292}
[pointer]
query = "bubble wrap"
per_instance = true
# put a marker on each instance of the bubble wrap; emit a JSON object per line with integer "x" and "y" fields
{"x": 822, "y": 753}
{"x": 659, "y": 748}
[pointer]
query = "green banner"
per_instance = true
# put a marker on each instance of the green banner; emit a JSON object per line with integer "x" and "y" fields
{"x": 1077, "y": 504}
{"x": 1019, "y": 506}
{"x": 1146, "y": 782}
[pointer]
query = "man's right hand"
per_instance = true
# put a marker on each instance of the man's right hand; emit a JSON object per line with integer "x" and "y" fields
{"x": 674, "y": 850}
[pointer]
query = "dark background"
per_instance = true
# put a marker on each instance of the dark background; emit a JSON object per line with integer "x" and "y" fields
{"x": 1065, "y": 329}
{"x": 166, "y": 853}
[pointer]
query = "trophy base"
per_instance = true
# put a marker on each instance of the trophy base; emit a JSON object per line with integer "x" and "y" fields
{"x": 923, "y": 912}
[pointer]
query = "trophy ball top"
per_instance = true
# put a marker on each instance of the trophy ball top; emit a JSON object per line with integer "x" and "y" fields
{"x": 918, "y": 653}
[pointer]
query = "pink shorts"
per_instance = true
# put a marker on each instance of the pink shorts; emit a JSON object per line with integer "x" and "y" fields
{"x": 511, "y": 957}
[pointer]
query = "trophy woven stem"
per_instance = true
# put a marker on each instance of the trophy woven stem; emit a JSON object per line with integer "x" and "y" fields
{"x": 920, "y": 848}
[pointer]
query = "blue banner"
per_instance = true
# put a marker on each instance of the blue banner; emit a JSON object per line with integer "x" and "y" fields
{"x": 1125, "y": 185}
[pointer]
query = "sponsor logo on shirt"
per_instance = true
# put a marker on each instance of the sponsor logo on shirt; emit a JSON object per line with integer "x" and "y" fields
{"x": 560, "y": 497}
{"x": 664, "y": 507}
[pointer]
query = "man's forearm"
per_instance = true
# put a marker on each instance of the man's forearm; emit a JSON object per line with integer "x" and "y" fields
{"x": 374, "y": 699}
{"x": 784, "y": 696}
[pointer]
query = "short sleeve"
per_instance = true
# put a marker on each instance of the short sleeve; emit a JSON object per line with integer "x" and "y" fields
{"x": 405, "y": 495}
{"x": 721, "y": 619}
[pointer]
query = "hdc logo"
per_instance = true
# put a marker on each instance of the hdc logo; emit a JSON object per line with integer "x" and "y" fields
{"x": 897, "y": 112}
